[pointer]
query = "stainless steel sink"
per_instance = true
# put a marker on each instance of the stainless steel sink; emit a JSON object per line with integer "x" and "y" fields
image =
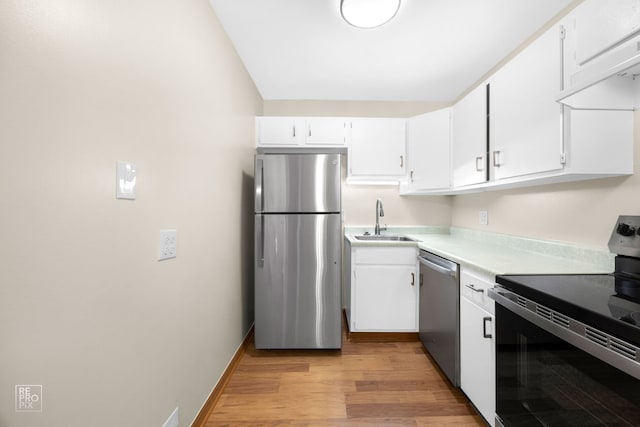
{"x": 385, "y": 238}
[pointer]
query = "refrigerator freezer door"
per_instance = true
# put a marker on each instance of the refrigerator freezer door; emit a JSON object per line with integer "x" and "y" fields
{"x": 295, "y": 183}
{"x": 297, "y": 281}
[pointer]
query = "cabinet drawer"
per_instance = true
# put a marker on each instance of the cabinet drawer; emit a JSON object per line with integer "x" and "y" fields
{"x": 386, "y": 255}
{"x": 474, "y": 285}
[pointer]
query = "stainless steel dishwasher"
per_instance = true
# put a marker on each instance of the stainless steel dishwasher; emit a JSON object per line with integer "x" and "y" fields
{"x": 439, "y": 312}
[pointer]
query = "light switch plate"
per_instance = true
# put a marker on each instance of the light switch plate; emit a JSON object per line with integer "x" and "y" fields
{"x": 168, "y": 244}
{"x": 125, "y": 180}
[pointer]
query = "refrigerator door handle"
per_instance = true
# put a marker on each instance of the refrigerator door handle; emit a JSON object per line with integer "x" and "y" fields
{"x": 260, "y": 243}
{"x": 259, "y": 185}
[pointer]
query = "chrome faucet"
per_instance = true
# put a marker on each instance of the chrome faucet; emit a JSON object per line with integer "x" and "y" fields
{"x": 379, "y": 213}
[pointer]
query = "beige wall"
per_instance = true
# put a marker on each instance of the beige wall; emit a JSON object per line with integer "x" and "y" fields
{"x": 359, "y": 201}
{"x": 115, "y": 337}
{"x": 350, "y": 108}
{"x": 582, "y": 212}
{"x": 359, "y": 205}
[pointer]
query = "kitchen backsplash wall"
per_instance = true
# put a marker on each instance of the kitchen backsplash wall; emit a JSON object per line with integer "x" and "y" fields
{"x": 359, "y": 203}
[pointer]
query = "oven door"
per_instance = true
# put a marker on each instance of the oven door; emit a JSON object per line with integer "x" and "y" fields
{"x": 542, "y": 380}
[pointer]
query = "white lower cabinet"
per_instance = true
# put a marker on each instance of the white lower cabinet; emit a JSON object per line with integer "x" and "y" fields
{"x": 382, "y": 289}
{"x": 477, "y": 343}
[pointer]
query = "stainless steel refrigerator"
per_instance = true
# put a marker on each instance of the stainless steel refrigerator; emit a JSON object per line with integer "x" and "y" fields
{"x": 298, "y": 251}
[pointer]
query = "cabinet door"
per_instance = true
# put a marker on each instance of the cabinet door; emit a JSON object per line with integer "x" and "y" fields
{"x": 325, "y": 131}
{"x": 385, "y": 298}
{"x": 477, "y": 358}
{"x": 428, "y": 150}
{"x": 377, "y": 148}
{"x": 469, "y": 134}
{"x": 601, "y": 24}
{"x": 525, "y": 119}
{"x": 276, "y": 131}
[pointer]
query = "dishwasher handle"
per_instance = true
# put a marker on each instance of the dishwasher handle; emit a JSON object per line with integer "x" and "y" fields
{"x": 440, "y": 269}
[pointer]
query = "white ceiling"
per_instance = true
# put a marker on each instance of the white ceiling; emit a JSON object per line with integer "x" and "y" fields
{"x": 433, "y": 50}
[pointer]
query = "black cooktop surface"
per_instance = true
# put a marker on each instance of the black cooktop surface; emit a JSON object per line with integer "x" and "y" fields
{"x": 590, "y": 299}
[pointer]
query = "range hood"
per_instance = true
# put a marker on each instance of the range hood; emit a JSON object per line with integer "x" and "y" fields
{"x": 607, "y": 82}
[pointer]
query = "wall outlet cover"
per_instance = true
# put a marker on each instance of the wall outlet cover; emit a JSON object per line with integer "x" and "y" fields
{"x": 483, "y": 217}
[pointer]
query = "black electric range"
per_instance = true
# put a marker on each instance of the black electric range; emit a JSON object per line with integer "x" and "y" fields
{"x": 610, "y": 302}
{"x": 568, "y": 346}
{"x": 591, "y": 299}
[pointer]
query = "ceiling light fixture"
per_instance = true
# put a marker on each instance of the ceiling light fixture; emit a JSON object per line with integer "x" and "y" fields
{"x": 368, "y": 13}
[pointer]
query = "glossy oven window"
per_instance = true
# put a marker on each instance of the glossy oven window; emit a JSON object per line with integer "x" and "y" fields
{"x": 543, "y": 381}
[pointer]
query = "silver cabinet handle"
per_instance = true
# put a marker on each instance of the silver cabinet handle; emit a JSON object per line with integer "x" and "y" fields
{"x": 401, "y": 161}
{"x": 294, "y": 131}
{"x": 496, "y": 158}
{"x": 413, "y": 279}
{"x": 479, "y": 165}
{"x": 484, "y": 327}
{"x": 474, "y": 289}
{"x": 411, "y": 176}
{"x": 309, "y": 130}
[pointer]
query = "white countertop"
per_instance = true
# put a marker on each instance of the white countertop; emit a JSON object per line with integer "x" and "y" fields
{"x": 498, "y": 253}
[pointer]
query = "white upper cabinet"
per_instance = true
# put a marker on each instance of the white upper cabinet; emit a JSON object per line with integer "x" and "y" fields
{"x": 429, "y": 151}
{"x": 326, "y": 131}
{"x": 274, "y": 131}
{"x": 525, "y": 119}
{"x": 301, "y": 132}
{"x": 377, "y": 150}
{"x": 602, "y": 24}
{"x": 469, "y": 136}
{"x": 598, "y": 143}
{"x": 602, "y": 55}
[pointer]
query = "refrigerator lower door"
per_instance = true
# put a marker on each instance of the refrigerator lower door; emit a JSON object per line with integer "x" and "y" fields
{"x": 297, "y": 281}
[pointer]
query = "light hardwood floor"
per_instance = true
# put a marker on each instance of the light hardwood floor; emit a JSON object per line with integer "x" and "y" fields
{"x": 365, "y": 384}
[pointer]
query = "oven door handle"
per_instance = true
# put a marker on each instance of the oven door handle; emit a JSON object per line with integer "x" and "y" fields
{"x": 573, "y": 332}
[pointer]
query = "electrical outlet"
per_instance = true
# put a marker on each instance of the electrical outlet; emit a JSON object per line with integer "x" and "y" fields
{"x": 173, "y": 420}
{"x": 168, "y": 244}
{"x": 483, "y": 217}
